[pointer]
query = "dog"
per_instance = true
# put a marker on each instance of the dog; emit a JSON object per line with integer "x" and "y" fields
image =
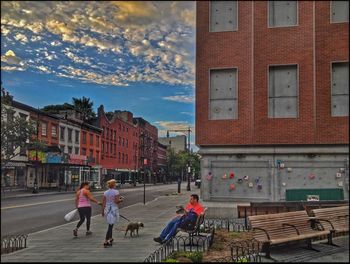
{"x": 132, "y": 227}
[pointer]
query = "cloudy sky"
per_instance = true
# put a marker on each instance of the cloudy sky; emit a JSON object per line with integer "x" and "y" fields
{"x": 136, "y": 56}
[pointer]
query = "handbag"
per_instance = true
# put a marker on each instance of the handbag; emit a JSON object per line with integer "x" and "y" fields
{"x": 69, "y": 217}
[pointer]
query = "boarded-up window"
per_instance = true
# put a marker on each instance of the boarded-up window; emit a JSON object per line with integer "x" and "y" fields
{"x": 223, "y": 94}
{"x": 283, "y": 13}
{"x": 340, "y": 89}
{"x": 283, "y": 91}
{"x": 223, "y": 16}
{"x": 340, "y": 11}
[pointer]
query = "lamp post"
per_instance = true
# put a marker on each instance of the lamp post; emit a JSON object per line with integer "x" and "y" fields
{"x": 188, "y": 177}
{"x": 144, "y": 162}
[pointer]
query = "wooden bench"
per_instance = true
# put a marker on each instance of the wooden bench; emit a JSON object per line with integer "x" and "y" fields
{"x": 273, "y": 229}
{"x": 334, "y": 219}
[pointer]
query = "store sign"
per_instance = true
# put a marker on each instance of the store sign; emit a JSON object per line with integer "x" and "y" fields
{"x": 144, "y": 161}
{"x": 313, "y": 197}
{"x": 53, "y": 158}
{"x": 34, "y": 155}
{"x": 77, "y": 159}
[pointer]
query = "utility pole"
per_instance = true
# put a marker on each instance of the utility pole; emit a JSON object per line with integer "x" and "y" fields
{"x": 35, "y": 190}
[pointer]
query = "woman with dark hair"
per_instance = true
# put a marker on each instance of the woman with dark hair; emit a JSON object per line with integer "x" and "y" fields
{"x": 82, "y": 202}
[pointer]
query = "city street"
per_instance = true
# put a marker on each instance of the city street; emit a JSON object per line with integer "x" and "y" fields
{"x": 25, "y": 215}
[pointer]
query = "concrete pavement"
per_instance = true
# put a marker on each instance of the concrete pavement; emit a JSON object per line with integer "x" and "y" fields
{"x": 58, "y": 244}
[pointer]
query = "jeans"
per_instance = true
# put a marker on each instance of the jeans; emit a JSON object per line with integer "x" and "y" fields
{"x": 170, "y": 230}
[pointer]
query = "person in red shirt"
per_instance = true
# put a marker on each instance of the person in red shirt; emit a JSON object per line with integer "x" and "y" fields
{"x": 186, "y": 220}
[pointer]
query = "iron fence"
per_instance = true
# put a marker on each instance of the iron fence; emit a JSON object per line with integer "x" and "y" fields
{"x": 198, "y": 243}
{"x": 12, "y": 243}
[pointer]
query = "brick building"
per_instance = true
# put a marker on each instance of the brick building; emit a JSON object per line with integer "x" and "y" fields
{"x": 118, "y": 141}
{"x": 162, "y": 169}
{"x": 148, "y": 147}
{"x": 272, "y": 99}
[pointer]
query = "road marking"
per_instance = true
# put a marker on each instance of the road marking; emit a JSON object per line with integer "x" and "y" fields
{"x": 25, "y": 205}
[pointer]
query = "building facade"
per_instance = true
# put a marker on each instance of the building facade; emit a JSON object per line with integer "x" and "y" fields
{"x": 177, "y": 143}
{"x": 162, "y": 170}
{"x": 272, "y": 99}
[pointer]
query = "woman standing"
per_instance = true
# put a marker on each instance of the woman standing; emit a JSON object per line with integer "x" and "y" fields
{"x": 111, "y": 199}
{"x": 82, "y": 202}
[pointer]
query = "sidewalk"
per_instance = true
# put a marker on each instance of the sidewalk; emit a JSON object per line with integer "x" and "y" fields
{"x": 58, "y": 244}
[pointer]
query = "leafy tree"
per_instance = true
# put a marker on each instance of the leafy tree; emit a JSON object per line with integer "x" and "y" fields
{"x": 54, "y": 109}
{"x": 84, "y": 105}
{"x": 16, "y": 131}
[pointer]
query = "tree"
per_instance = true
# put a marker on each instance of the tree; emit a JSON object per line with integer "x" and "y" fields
{"x": 84, "y": 105}
{"x": 16, "y": 131}
{"x": 54, "y": 109}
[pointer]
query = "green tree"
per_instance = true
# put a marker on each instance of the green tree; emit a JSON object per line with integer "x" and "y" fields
{"x": 84, "y": 105}
{"x": 16, "y": 131}
{"x": 54, "y": 109}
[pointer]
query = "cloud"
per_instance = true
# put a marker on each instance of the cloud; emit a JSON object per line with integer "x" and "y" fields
{"x": 10, "y": 58}
{"x": 154, "y": 39}
{"x": 164, "y": 126}
{"x": 187, "y": 113}
{"x": 180, "y": 98}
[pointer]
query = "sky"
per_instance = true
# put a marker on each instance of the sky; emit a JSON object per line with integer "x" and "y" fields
{"x": 126, "y": 55}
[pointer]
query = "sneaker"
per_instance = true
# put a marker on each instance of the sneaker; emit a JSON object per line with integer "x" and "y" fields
{"x": 75, "y": 232}
{"x": 158, "y": 239}
{"x": 88, "y": 233}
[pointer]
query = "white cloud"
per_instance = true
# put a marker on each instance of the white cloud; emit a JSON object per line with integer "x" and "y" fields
{"x": 10, "y": 58}
{"x": 21, "y": 38}
{"x": 164, "y": 126}
{"x": 180, "y": 98}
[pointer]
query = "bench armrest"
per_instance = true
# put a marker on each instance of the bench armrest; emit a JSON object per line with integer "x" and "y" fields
{"x": 340, "y": 216}
{"x": 261, "y": 229}
{"x": 296, "y": 229}
{"x": 319, "y": 220}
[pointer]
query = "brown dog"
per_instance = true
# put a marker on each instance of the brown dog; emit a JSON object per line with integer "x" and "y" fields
{"x": 132, "y": 227}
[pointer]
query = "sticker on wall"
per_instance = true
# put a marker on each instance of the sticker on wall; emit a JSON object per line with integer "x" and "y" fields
{"x": 209, "y": 176}
{"x": 340, "y": 184}
{"x": 338, "y": 175}
{"x": 312, "y": 176}
{"x": 246, "y": 177}
{"x": 239, "y": 180}
{"x": 224, "y": 176}
{"x": 250, "y": 185}
{"x": 281, "y": 165}
{"x": 232, "y": 187}
{"x": 232, "y": 175}
{"x": 259, "y": 187}
{"x": 284, "y": 184}
{"x": 289, "y": 169}
{"x": 341, "y": 170}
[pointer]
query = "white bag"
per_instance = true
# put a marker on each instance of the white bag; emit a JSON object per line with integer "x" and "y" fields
{"x": 69, "y": 217}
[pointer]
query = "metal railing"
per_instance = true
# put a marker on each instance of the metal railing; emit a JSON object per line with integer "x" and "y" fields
{"x": 182, "y": 243}
{"x": 13, "y": 242}
{"x": 231, "y": 224}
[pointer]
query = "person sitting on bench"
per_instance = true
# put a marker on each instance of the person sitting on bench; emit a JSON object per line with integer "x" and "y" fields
{"x": 187, "y": 220}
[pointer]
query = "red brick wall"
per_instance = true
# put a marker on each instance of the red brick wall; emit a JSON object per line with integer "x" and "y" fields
{"x": 285, "y": 45}
{"x": 95, "y": 147}
{"x": 49, "y": 139}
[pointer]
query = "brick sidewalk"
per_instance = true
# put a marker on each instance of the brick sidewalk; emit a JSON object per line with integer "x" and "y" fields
{"x": 58, "y": 244}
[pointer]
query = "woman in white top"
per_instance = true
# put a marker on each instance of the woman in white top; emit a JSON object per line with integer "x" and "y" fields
{"x": 111, "y": 199}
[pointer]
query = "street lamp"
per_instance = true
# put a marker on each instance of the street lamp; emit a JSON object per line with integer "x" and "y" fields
{"x": 144, "y": 162}
{"x": 188, "y": 177}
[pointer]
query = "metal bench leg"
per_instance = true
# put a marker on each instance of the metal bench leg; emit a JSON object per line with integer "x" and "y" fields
{"x": 330, "y": 240}
{"x": 309, "y": 246}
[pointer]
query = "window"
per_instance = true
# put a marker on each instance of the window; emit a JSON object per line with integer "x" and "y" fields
{"x": 115, "y": 149}
{"x": 91, "y": 139}
{"x": 114, "y": 135}
{"x": 120, "y": 127}
{"x": 77, "y": 136}
{"x": 103, "y": 146}
{"x": 84, "y": 138}
{"x": 223, "y": 94}
{"x": 123, "y": 128}
{"x": 76, "y": 151}
{"x": 91, "y": 153}
{"x": 43, "y": 128}
{"x": 127, "y": 130}
{"x": 107, "y": 133}
{"x": 119, "y": 141}
{"x": 223, "y": 16}
{"x": 340, "y": 89}
{"x": 283, "y": 13}
{"x": 83, "y": 151}
{"x": 23, "y": 116}
{"x": 97, "y": 141}
{"x": 339, "y": 11}
{"x": 103, "y": 131}
{"x": 127, "y": 142}
{"x": 70, "y": 149}
{"x": 10, "y": 115}
{"x": 70, "y": 131}
{"x": 97, "y": 156}
{"x": 119, "y": 157}
{"x": 62, "y": 133}
{"x": 54, "y": 131}
{"x": 123, "y": 142}
{"x": 123, "y": 158}
{"x": 126, "y": 158}
{"x": 283, "y": 91}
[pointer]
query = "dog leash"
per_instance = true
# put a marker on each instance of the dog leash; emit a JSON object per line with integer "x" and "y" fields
{"x": 124, "y": 217}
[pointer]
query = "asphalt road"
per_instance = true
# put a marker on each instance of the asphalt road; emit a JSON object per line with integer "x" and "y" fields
{"x": 30, "y": 214}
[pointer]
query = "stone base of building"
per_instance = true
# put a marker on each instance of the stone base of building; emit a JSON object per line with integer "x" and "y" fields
{"x": 273, "y": 173}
